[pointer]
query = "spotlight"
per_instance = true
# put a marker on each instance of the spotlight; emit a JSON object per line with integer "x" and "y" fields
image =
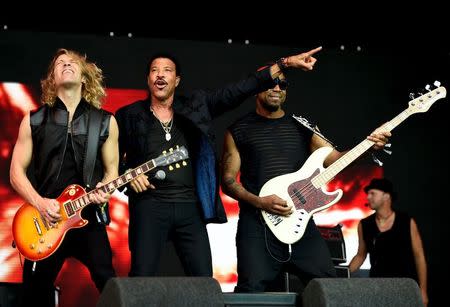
{"x": 358, "y": 48}
{"x": 111, "y": 34}
{"x": 247, "y": 42}
{"x": 5, "y": 27}
{"x": 130, "y": 34}
{"x": 230, "y": 41}
{"x": 342, "y": 47}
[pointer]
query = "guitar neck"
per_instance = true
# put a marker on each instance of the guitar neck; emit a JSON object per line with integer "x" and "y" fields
{"x": 109, "y": 187}
{"x": 331, "y": 171}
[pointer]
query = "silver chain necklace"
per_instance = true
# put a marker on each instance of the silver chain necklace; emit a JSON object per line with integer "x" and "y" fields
{"x": 166, "y": 127}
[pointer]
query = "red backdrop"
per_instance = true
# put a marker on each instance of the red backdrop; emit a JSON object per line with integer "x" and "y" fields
{"x": 77, "y": 289}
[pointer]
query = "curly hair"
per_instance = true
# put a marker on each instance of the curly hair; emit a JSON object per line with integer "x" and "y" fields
{"x": 92, "y": 90}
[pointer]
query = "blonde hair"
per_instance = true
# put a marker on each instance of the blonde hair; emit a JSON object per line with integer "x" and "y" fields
{"x": 92, "y": 90}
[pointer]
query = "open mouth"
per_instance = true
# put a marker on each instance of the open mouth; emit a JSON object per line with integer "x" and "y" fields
{"x": 160, "y": 84}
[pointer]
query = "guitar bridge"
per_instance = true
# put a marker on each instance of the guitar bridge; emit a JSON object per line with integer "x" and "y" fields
{"x": 274, "y": 219}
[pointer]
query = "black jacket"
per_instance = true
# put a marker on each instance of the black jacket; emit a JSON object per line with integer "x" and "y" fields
{"x": 200, "y": 109}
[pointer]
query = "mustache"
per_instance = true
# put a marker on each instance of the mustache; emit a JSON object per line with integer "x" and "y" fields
{"x": 159, "y": 80}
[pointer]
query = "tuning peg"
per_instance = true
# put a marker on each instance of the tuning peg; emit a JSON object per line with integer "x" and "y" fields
{"x": 164, "y": 152}
{"x": 170, "y": 168}
{"x": 184, "y": 163}
{"x": 171, "y": 150}
{"x": 437, "y": 83}
{"x": 178, "y": 147}
{"x": 411, "y": 96}
{"x": 177, "y": 165}
{"x": 388, "y": 145}
{"x": 428, "y": 87}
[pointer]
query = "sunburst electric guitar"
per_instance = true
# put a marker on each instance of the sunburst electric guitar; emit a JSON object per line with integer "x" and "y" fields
{"x": 36, "y": 240}
{"x": 305, "y": 189}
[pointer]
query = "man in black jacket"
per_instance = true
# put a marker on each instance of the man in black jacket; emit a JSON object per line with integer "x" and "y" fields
{"x": 180, "y": 205}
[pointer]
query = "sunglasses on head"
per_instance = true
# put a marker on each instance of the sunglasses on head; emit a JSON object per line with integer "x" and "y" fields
{"x": 282, "y": 83}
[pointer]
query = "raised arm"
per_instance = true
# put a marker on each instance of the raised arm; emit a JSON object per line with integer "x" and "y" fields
{"x": 232, "y": 95}
{"x": 419, "y": 258}
{"x": 231, "y": 165}
{"x": 21, "y": 159}
{"x": 361, "y": 255}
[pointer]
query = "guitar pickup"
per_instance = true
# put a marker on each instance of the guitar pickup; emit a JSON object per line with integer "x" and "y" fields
{"x": 297, "y": 194}
{"x": 38, "y": 227}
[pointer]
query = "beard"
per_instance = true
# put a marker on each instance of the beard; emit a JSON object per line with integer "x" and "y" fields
{"x": 270, "y": 107}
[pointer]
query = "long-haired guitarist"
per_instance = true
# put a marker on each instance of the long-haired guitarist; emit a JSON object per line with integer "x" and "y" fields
{"x": 49, "y": 155}
{"x": 260, "y": 146}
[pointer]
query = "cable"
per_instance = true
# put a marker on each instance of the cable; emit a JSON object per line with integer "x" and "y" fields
{"x": 270, "y": 253}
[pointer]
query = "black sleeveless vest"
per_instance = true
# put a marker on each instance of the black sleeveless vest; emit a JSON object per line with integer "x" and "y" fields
{"x": 391, "y": 253}
{"x": 49, "y": 128}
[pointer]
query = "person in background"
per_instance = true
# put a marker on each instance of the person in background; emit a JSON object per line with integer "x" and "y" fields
{"x": 391, "y": 237}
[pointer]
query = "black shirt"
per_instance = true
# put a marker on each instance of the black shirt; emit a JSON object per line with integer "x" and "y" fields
{"x": 178, "y": 185}
{"x": 269, "y": 148}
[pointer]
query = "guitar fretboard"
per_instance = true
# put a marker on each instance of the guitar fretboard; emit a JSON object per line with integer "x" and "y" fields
{"x": 331, "y": 171}
{"x": 81, "y": 202}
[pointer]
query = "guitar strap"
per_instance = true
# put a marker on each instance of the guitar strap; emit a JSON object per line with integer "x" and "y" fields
{"x": 304, "y": 122}
{"x": 95, "y": 121}
{"x": 94, "y": 125}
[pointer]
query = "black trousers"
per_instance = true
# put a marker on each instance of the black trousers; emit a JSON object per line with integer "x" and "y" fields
{"x": 261, "y": 256}
{"x": 153, "y": 223}
{"x": 89, "y": 245}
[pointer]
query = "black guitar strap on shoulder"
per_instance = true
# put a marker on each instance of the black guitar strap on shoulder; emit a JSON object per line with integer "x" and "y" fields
{"x": 313, "y": 128}
{"x": 95, "y": 121}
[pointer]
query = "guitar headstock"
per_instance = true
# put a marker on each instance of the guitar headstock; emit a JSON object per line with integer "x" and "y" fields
{"x": 423, "y": 103}
{"x": 180, "y": 153}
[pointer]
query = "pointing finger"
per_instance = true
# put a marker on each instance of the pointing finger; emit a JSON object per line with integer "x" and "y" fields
{"x": 311, "y": 52}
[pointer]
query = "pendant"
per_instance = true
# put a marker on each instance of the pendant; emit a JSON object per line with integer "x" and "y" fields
{"x": 168, "y": 136}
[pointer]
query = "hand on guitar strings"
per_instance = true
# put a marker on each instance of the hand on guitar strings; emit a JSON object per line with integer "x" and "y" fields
{"x": 49, "y": 209}
{"x": 275, "y": 205}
